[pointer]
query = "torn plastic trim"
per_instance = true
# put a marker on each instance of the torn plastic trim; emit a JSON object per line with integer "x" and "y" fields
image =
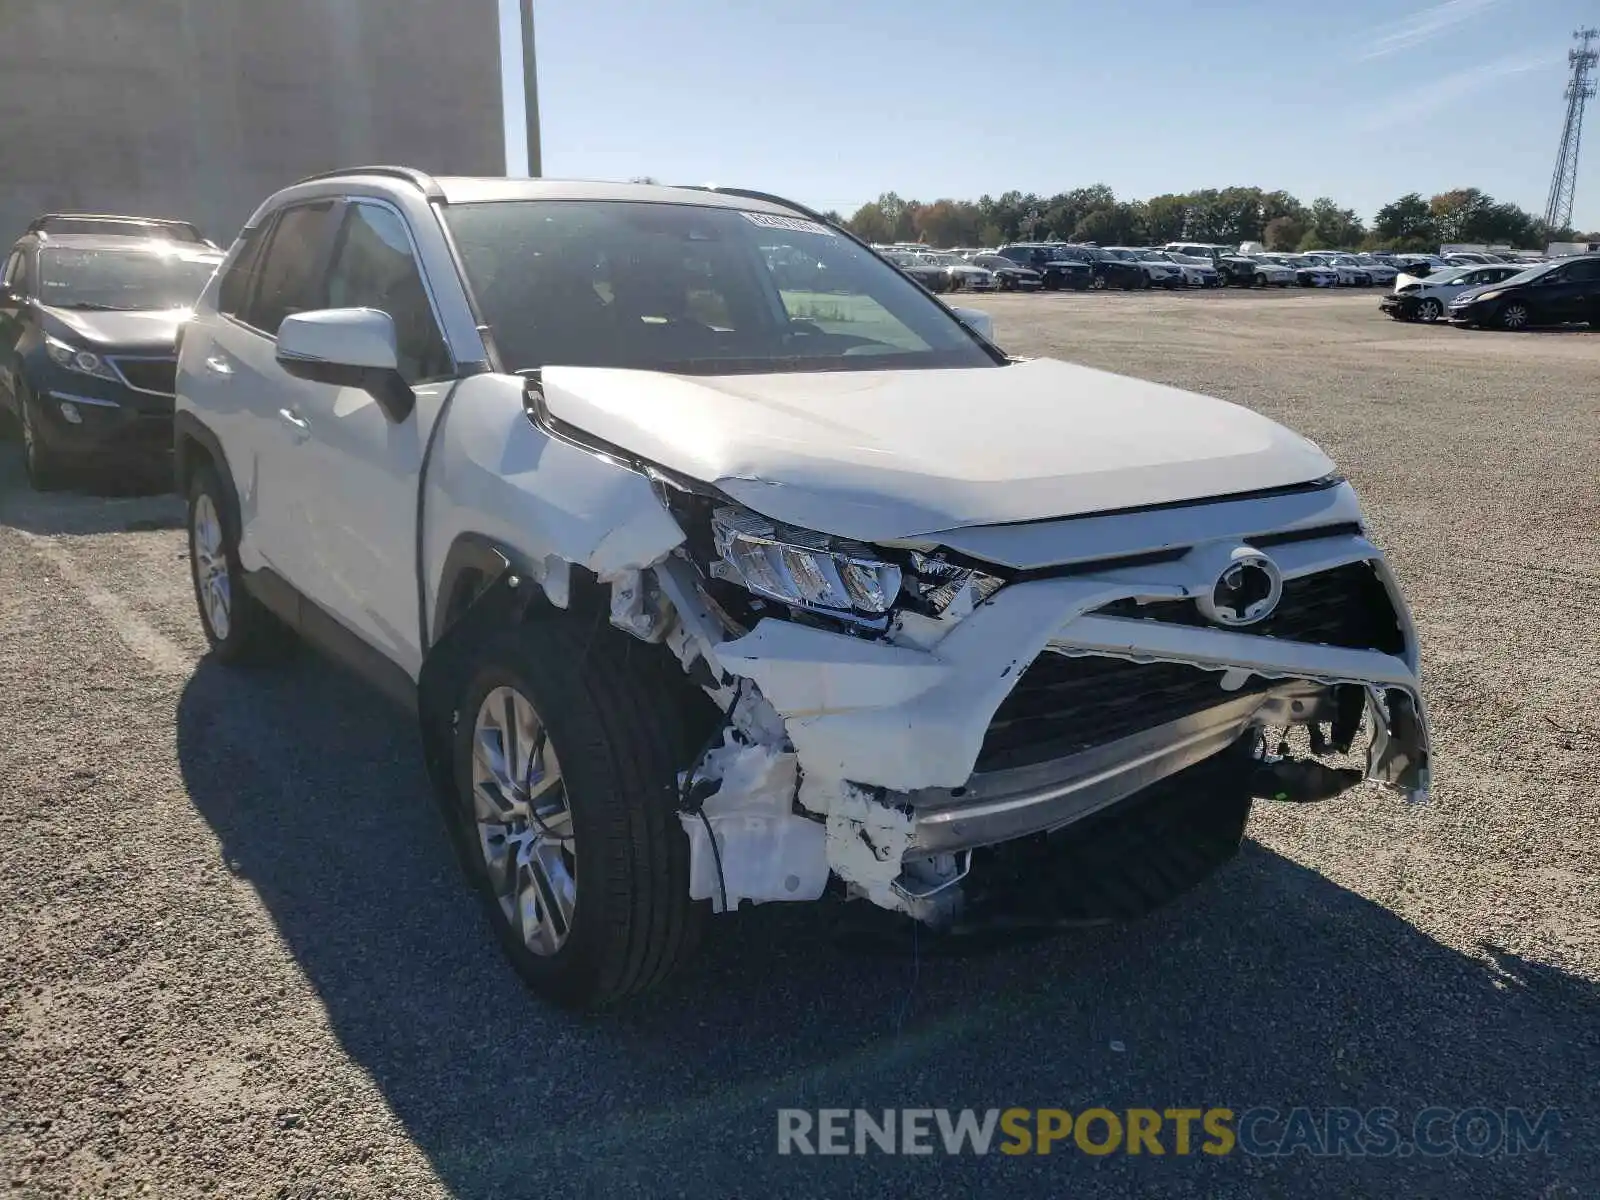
{"x": 999, "y": 806}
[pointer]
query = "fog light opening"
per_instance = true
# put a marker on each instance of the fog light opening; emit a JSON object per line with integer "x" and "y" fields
{"x": 70, "y": 413}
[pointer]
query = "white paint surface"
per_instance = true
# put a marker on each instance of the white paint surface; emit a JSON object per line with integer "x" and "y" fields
{"x": 880, "y": 455}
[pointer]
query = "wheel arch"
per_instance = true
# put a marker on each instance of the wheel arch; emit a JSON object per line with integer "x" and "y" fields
{"x": 194, "y": 445}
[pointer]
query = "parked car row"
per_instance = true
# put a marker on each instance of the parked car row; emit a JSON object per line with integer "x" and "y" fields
{"x": 1502, "y": 295}
{"x": 1053, "y": 266}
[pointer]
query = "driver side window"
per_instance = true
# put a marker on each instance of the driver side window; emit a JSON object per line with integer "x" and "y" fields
{"x": 373, "y": 267}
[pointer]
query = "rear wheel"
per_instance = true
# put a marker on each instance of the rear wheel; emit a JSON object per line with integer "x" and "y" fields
{"x": 1259, "y": 281}
{"x": 237, "y": 626}
{"x": 567, "y": 748}
{"x": 1098, "y": 283}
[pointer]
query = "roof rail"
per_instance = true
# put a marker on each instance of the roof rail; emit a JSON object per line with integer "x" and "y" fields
{"x": 418, "y": 179}
{"x": 37, "y": 224}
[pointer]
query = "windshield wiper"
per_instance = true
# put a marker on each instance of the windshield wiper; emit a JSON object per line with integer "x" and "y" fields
{"x": 92, "y": 306}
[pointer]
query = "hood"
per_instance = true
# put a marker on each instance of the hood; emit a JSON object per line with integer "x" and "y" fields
{"x": 888, "y": 455}
{"x": 154, "y": 330}
{"x": 1467, "y": 295}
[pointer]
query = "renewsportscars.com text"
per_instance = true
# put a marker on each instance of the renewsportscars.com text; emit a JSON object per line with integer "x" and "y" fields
{"x": 1259, "y": 1131}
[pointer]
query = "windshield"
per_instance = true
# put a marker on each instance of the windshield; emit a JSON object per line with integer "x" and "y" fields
{"x": 693, "y": 290}
{"x": 123, "y": 279}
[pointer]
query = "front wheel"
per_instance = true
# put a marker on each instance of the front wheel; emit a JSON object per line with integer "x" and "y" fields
{"x": 1260, "y": 281}
{"x": 1098, "y": 283}
{"x": 567, "y": 749}
{"x": 1514, "y": 316}
{"x": 1430, "y": 310}
{"x": 46, "y": 469}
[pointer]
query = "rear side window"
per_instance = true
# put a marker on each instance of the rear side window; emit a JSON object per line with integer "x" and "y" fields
{"x": 233, "y": 293}
{"x": 291, "y": 270}
{"x": 374, "y": 267}
{"x": 1587, "y": 271}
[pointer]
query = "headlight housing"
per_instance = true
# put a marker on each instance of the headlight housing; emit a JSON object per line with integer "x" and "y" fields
{"x": 84, "y": 362}
{"x": 798, "y": 567}
{"x": 1483, "y": 296}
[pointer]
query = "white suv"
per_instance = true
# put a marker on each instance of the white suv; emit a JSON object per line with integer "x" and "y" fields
{"x": 705, "y": 588}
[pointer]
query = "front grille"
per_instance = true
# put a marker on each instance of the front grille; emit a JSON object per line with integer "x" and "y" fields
{"x": 157, "y": 375}
{"x": 1347, "y": 606}
{"x": 1064, "y": 704}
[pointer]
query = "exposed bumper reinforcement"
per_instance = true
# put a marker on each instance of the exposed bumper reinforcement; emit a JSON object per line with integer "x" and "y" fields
{"x": 1000, "y": 805}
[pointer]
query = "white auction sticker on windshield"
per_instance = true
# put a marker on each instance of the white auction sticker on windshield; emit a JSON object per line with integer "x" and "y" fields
{"x": 792, "y": 224}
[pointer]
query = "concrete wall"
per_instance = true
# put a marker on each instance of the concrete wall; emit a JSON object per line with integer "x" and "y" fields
{"x": 199, "y": 109}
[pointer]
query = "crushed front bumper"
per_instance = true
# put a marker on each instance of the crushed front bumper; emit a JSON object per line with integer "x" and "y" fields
{"x": 899, "y": 725}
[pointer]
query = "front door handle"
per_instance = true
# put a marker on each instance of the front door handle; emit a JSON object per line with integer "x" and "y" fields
{"x": 300, "y": 426}
{"x": 218, "y": 365}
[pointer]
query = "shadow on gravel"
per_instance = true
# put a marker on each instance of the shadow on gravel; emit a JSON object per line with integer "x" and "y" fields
{"x": 1269, "y": 986}
{"x": 102, "y": 501}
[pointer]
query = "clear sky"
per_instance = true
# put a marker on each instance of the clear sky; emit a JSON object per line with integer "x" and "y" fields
{"x": 832, "y": 103}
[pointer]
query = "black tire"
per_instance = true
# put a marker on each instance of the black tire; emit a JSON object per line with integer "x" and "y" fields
{"x": 621, "y": 734}
{"x": 1052, "y": 283}
{"x": 47, "y": 471}
{"x": 1097, "y": 282}
{"x": 252, "y": 634}
{"x": 1259, "y": 281}
{"x": 1428, "y": 310}
{"x": 1507, "y": 317}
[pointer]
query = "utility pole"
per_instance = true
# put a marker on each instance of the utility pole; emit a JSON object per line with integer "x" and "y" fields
{"x": 519, "y": 89}
{"x": 530, "y": 86}
{"x": 1564, "y": 182}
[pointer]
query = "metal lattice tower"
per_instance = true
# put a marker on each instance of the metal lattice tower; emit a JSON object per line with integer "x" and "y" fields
{"x": 1564, "y": 183}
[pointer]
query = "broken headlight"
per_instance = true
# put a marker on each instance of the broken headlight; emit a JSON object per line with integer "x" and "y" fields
{"x": 938, "y": 584}
{"x": 798, "y": 567}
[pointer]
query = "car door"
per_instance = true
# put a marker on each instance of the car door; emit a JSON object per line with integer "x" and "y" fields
{"x": 10, "y": 324}
{"x": 1580, "y": 299}
{"x": 359, "y": 524}
{"x": 255, "y": 398}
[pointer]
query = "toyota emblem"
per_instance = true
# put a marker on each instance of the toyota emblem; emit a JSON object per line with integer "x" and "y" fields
{"x": 1247, "y": 590}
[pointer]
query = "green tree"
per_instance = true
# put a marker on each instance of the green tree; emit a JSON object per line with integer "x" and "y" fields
{"x": 871, "y": 224}
{"x": 1332, "y": 227}
{"x": 1165, "y": 217}
{"x": 1119, "y": 224}
{"x": 1406, "y": 224}
{"x": 1283, "y": 233}
{"x": 948, "y": 223}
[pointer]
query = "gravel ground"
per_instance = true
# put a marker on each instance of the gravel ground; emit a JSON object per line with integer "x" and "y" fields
{"x": 236, "y": 959}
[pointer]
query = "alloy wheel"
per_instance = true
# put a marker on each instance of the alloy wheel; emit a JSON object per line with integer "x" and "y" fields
{"x": 1429, "y": 310}
{"x": 1514, "y": 316}
{"x": 1098, "y": 283}
{"x": 524, "y": 823}
{"x": 211, "y": 567}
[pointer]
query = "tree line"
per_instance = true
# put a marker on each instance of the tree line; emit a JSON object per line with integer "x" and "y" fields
{"x": 1226, "y": 215}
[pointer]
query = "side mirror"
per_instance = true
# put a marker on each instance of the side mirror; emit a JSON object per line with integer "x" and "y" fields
{"x": 981, "y": 322}
{"x": 347, "y": 347}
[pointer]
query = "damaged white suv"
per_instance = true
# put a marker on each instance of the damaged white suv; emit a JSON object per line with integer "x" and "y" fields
{"x": 713, "y": 580}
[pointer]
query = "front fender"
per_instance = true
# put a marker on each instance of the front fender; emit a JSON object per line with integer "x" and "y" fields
{"x": 497, "y": 478}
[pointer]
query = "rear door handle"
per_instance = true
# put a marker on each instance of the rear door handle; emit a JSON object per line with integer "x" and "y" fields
{"x": 300, "y": 426}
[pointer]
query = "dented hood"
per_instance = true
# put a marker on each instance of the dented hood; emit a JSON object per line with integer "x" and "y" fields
{"x": 885, "y": 455}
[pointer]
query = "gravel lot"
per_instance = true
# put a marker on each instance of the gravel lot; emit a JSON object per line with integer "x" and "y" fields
{"x": 236, "y": 959}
